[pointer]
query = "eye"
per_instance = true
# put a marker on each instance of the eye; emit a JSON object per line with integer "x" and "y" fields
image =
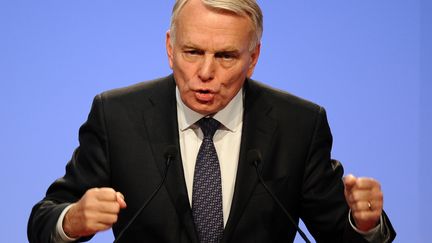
{"x": 192, "y": 55}
{"x": 193, "y": 52}
{"x": 226, "y": 56}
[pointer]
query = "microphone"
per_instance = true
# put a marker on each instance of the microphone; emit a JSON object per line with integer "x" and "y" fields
{"x": 254, "y": 156}
{"x": 170, "y": 153}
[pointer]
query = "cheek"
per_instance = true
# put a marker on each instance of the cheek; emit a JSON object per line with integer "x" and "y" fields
{"x": 180, "y": 77}
{"x": 183, "y": 71}
{"x": 229, "y": 91}
{"x": 235, "y": 81}
{"x": 183, "y": 86}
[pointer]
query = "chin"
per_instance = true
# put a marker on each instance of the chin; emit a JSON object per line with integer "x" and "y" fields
{"x": 205, "y": 110}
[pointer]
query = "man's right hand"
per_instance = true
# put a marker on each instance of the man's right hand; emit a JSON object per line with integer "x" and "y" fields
{"x": 96, "y": 211}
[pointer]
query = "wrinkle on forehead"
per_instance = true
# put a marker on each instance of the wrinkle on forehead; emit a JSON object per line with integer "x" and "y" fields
{"x": 211, "y": 30}
{"x": 197, "y": 18}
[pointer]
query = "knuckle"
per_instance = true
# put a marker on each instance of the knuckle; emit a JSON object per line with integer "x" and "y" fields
{"x": 86, "y": 205}
{"x": 378, "y": 185}
{"x": 86, "y": 216}
{"x": 117, "y": 208}
{"x": 361, "y": 182}
{"x": 356, "y": 214}
{"x": 109, "y": 194}
{"x": 355, "y": 196}
{"x": 93, "y": 190}
{"x": 357, "y": 206}
{"x": 115, "y": 218}
{"x": 88, "y": 226}
{"x": 108, "y": 190}
{"x": 380, "y": 196}
{"x": 364, "y": 215}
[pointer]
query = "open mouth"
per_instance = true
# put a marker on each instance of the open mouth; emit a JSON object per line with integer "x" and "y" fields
{"x": 204, "y": 91}
{"x": 204, "y": 95}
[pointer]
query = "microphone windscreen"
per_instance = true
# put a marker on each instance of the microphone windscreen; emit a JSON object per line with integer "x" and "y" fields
{"x": 254, "y": 156}
{"x": 171, "y": 151}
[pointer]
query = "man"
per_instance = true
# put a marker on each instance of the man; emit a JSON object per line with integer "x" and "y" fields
{"x": 212, "y": 47}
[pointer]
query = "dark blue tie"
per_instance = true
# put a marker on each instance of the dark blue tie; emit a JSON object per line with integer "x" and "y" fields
{"x": 207, "y": 187}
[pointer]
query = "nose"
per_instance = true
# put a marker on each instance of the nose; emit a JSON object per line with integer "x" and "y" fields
{"x": 207, "y": 68}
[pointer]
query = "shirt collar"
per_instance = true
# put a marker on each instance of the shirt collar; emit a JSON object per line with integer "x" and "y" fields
{"x": 230, "y": 116}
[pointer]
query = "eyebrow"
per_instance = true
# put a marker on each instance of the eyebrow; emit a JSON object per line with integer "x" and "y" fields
{"x": 228, "y": 49}
{"x": 187, "y": 46}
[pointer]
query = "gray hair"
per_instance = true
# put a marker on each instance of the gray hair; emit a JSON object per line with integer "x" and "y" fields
{"x": 247, "y": 8}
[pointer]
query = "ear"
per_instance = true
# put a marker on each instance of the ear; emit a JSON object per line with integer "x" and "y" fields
{"x": 169, "y": 48}
{"x": 254, "y": 59}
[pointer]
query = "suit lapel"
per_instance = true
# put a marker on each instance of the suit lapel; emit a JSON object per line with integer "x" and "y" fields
{"x": 257, "y": 133}
{"x": 160, "y": 120}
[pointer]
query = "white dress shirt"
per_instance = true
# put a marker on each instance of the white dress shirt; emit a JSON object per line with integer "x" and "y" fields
{"x": 226, "y": 140}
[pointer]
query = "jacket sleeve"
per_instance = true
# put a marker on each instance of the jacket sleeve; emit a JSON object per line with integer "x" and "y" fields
{"x": 324, "y": 209}
{"x": 88, "y": 168}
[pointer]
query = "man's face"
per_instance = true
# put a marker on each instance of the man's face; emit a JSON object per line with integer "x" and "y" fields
{"x": 210, "y": 56}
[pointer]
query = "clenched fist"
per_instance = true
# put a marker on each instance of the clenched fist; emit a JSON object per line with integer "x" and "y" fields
{"x": 365, "y": 198}
{"x": 96, "y": 211}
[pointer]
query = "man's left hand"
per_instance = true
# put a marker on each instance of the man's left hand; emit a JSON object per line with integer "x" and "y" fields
{"x": 365, "y": 198}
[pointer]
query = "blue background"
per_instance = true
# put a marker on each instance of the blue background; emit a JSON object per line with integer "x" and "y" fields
{"x": 368, "y": 62}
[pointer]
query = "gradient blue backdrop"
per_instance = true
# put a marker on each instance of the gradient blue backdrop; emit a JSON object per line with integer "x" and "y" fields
{"x": 368, "y": 62}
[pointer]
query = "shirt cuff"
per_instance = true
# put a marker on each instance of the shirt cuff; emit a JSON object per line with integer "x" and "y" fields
{"x": 60, "y": 234}
{"x": 372, "y": 234}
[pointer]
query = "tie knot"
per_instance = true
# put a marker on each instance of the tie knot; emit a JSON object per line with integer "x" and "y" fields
{"x": 208, "y": 126}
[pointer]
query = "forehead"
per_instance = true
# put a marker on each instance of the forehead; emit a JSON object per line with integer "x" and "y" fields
{"x": 198, "y": 24}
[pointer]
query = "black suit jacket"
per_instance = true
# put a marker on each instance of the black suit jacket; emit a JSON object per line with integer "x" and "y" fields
{"x": 122, "y": 145}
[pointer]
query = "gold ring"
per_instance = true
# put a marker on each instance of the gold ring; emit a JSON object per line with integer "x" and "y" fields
{"x": 370, "y": 205}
